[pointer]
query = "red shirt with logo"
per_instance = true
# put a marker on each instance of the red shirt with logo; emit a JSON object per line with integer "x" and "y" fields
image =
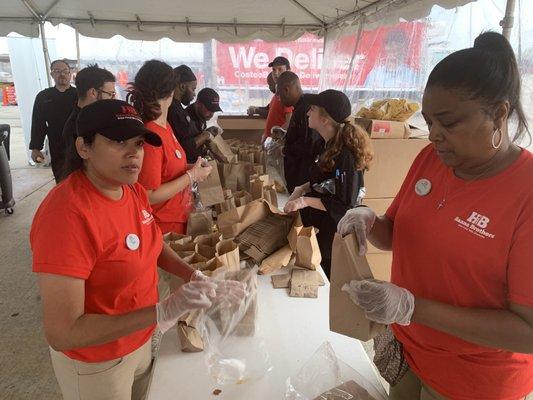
{"x": 161, "y": 165}
{"x": 277, "y": 114}
{"x": 113, "y": 245}
{"x": 474, "y": 252}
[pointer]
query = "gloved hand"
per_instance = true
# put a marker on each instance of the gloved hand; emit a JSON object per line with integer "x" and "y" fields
{"x": 382, "y": 302}
{"x": 295, "y": 205}
{"x": 199, "y": 171}
{"x": 298, "y": 191}
{"x": 232, "y": 291}
{"x": 190, "y": 296}
{"x": 359, "y": 220}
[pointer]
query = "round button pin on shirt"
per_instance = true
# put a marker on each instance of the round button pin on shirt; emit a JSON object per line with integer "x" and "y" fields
{"x": 132, "y": 241}
{"x": 178, "y": 154}
{"x": 423, "y": 187}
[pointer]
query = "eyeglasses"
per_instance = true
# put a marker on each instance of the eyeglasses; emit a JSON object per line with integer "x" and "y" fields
{"x": 65, "y": 71}
{"x": 110, "y": 94}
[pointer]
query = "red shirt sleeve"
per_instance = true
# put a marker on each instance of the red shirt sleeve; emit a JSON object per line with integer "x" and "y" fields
{"x": 289, "y": 109}
{"x": 150, "y": 176}
{"x": 63, "y": 243}
{"x": 520, "y": 266}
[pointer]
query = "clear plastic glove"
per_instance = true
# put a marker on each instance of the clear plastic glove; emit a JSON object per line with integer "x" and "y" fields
{"x": 359, "y": 220}
{"x": 199, "y": 171}
{"x": 298, "y": 192}
{"x": 189, "y": 297}
{"x": 382, "y": 302}
{"x": 295, "y": 205}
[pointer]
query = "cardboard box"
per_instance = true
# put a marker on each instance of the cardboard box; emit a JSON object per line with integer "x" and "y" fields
{"x": 392, "y": 160}
{"x": 380, "y": 265}
{"x": 244, "y": 128}
{"x": 379, "y": 206}
{"x": 378, "y": 129}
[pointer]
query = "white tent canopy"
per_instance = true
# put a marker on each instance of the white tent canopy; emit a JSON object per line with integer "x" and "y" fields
{"x": 200, "y": 20}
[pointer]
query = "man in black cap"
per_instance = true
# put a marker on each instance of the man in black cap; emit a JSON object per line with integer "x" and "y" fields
{"x": 92, "y": 84}
{"x": 178, "y": 118}
{"x": 202, "y": 110}
{"x": 300, "y": 139}
{"x": 278, "y": 115}
{"x": 51, "y": 110}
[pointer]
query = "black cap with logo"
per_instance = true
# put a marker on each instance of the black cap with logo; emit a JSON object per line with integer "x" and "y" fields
{"x": 336, "y": 104}
{"x": 114, "y": 119}
{"x": 280, "y": 60}
{"x": 210, "y": 99}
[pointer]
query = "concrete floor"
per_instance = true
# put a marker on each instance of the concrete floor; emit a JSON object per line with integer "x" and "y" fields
{"x": 26, "y": 369}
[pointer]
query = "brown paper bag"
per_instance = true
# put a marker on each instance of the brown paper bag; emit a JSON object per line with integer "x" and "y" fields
{"x": 227, "y": 251}
{"x": 234, "y": 176}
{"x": 303, "y": 284}
{"x": 176, "y": 237}
{"x": 210, "y": 189}
{"x": 258, "y": 169}
{"x": 221, "y": 149}
{"x": 307, "y": 250}
{"x": 283, "y": 281}
{"x": 346, "y": 265}
{"x": 256, "y": 189}
{"x": 190, "y": 339}
{"x": 210, "y": 239}
{"x": 206, "y": 251}
{"x": 214, "y": 264}
{"x": 178, "y": 247}
{"x": 270, "y": 195}
{"x": 199, "y": 223}
{"x": 197, "y": 261}
{"x": 348, "y": 390}
{"x": 184, "y": 254}
{"x": 279, "y": 259}
{"x": 226, "y": 205}
{"x": 246, "y": 156}
{"x": 242, "y": 198}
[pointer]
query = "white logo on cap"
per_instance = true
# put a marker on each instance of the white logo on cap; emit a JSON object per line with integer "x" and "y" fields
{"x": 132, "y": 241}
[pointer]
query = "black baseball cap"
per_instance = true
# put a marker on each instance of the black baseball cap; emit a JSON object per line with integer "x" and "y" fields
{"x": 336, "y": 104}
{"x": 280, "y": 60}
{"x": 114, "y": 119}
{"x": 210, "y": 99}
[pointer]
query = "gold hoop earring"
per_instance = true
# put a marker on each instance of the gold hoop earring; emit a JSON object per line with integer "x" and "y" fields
{"x": 496, "y": 146}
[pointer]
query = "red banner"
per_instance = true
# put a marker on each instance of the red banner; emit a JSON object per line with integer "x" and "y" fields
{"x": 246, "y": 64}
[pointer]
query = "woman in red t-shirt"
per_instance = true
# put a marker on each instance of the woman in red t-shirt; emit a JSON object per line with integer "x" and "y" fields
{"x": 95, "y": 248}
{"x": 165, "y": 173}
{"x": 460, "y": 229}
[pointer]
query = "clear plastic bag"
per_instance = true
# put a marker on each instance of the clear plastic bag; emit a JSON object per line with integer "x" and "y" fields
{"x": 322, "y": 376}
{"x": 274, "y": 158}
{"x": 235, "y": 351}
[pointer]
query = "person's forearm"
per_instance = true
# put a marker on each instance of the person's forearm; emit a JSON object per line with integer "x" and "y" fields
{"x": 499, "y": 329}
{"x": 314, "y": 202}
{"x": 171, "y": 262}
{"x": 169, "y": 189}
{"x": 381, "y": 234}
{"x": 95, "y": 329}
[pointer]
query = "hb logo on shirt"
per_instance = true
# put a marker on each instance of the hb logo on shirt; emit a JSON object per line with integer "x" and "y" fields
{"x": 479, "y": 220}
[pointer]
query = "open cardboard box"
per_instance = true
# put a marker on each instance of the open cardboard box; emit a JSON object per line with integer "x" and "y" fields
{"x": 378, "y": 129}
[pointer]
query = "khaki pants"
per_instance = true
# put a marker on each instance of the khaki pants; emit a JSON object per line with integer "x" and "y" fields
{"x": 124, "y": 378}
{"x": 411, "y": 388}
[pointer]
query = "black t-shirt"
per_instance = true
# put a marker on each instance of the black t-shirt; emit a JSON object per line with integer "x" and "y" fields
{"x": 180, "y": 121}
{"x": 50, "y": 113}
{"x": 344, "y": 183}
{"x": 70, "y": 132}
{"x": 299, "y": 144}
{"x": 197, "y": 126}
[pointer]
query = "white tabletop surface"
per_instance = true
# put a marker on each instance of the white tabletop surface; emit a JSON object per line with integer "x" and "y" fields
{"x": 293, "y": 329}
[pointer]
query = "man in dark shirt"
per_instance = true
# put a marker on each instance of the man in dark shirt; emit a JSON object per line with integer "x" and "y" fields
{"x": 178, "y": 118}
{"x": 51, "y": 110}
{"x": 202, "y": 110}
{"x": 92, "y": 83}
{"x": 300, "y": 139}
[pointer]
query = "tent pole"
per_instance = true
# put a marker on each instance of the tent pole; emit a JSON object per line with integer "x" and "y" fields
{"x": 77, "y": 50}
{"x": 508, "y": 21}
{"x": 45, "y": 53}
{"x": 356, "y": 47}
